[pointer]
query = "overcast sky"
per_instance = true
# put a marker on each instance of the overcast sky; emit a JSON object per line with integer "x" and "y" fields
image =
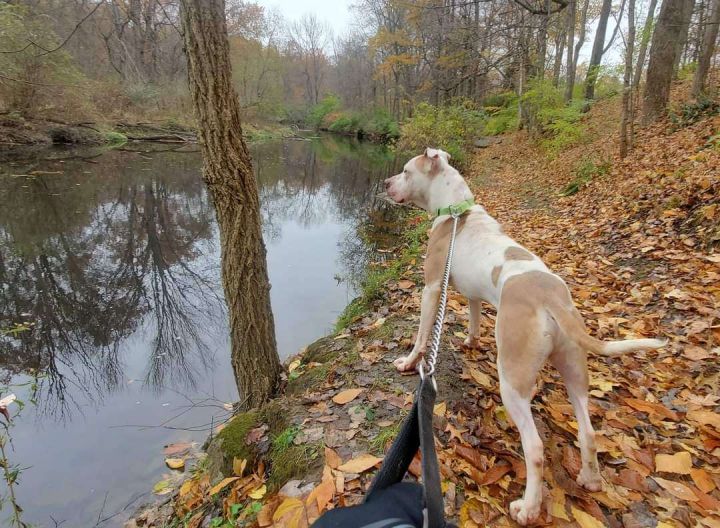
{"x": 338, "y": 15}
{"x": 334, "y": 12}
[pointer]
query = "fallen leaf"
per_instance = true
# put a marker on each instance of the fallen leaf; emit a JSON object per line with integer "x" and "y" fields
{"x": 702, "y": 480}
{"x": 676, "y": 489}
{"x": 346, "y": 396}
{"x": 258, "y": 493}
{"x": 221, "y": 485}
{"x": 585, "y": 520}
{"x": 175, "y": 463}
{"x": 290, "y": 514}
{"x": 239, "y": 465}
{"x": 652, "y": 408}
{"x": 680, "y": 463}
{"x": 177, "y": 449}
{"x": 705, "y": 417}
{"x": 481, "y": 378}
{"x": 360, "y": 464}
{"x": 332, "y": 459}
{"x": 406, "y": 284}
{"x": 439, "y": 409}
{"x": 162, "y": 488}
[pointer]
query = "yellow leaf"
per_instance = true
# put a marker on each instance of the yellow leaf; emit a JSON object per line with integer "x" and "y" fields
{"x": 175, "y": 463}
{"x": 220, "y": 485}
{"x": 258, "y": 493}
{"x": 557, "y": 506}
{"x": 481, "y": 378}
{"x": 294, "y": 365}
{"x": 439, "y": 409}
{"x": 360, "y": 464}
{"x": 188, "y": 486}
{"x": 676, "y": 489}
{"x": 290, "y": 514}
{"x": 585, "y": 520}
{"x": 680, "y": 463}
{"x": 461, "y": 335}
{"x": 341, "y": 398}
{"x": 162, "y": 488}
{"x": 239, "y": 465}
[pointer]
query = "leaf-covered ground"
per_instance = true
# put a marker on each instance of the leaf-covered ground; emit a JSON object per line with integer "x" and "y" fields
{"x": 635, "y": 246}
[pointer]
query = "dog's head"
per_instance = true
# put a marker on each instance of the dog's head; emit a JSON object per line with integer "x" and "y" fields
{"x": 415, "y": 184}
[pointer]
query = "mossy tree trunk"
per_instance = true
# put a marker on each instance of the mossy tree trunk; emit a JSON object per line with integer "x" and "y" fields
{"x": 227, "y": 170}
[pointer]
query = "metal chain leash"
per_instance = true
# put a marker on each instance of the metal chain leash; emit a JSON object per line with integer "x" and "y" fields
{"x": 431, "y": 355}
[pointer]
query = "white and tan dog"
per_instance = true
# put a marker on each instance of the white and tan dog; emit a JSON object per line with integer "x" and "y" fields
{"x": 536, "y": 318}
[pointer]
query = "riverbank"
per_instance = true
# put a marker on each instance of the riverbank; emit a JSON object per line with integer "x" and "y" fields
{"x": 636, "y": 243}
{"x": 17, "y": 131}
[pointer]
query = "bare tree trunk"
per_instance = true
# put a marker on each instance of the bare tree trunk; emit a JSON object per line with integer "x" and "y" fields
{"x": 228, "y": 173}
{"x": 662, "y": 56}
{"x": 559, "y": 48}
{"x": 644, "y": 40}
{"x": 687, "y": 11}
{"x": 707, "y": 50}
{"x": 570, "y": 50}
{"x": 597, "y": 51}
{"x": 626, "y": 118}
{"x": 542, "y": 41}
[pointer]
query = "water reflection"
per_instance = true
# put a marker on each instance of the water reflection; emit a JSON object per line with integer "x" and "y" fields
{"x": 114, "y": 259}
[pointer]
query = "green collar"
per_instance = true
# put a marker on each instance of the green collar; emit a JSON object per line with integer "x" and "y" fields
{"x": 456, "y": 209}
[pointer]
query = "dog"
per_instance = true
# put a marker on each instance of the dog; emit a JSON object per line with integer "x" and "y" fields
{"x": 536, "y": 319}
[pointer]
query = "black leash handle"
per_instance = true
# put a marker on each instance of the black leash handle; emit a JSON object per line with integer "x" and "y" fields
{"x": 416, "y": 432}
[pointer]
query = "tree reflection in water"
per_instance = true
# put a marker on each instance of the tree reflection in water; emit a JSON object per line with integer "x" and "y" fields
{"x": 127, "y": 245}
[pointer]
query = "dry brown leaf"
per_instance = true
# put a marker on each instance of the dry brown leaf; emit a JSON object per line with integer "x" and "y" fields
{"x": 680, "y": 463}
{"x": 676, "y": 489}
{"x": 652, "y": 408}
{"x": 346, "y": 396}
{"x": 702, "y": 480}
{"x": 406, "y": 284}
{"x": 360, "y": 464}
{"x": 332, "y": 459}
{"x": 481, "y": 378}
{"x": 705, "y": 417}
{"x": 221, "y": 485}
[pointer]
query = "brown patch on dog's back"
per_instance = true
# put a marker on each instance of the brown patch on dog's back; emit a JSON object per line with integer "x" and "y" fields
{"x": 438, "y": 248}
{"x": 518, "y": 253}
{"x": 495, "y": 276}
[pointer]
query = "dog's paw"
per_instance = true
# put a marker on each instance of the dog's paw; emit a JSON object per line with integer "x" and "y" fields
{"x": 472, "y": 342}
{"x": 404, "y": 364}
{"x": 590, "y": 481}
{"x": 523, "y": 512}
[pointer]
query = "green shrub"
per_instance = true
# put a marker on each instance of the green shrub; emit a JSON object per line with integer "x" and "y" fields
{"x": 376, "y": 124}
{"x": 558, "y": 124}
{"x": 452, "y": 128}
{"x": 586, "y": 171}
{"x": 329, "y": 104}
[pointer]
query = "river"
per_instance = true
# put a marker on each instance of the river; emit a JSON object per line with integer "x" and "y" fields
{"x": 110, "y": 262}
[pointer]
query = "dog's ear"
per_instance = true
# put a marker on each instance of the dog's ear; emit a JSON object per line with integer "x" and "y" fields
{"x": 432, "y": 153}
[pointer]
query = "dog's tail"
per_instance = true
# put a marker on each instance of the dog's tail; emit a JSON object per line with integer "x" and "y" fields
{"x": 572, "y": 327}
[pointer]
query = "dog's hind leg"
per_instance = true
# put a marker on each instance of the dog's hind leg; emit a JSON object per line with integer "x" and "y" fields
{"x": 523, "y": 346}
{"x": 571, "y": 362}
{"x": 428, "y": 308}
{"x": 473, "y": 340}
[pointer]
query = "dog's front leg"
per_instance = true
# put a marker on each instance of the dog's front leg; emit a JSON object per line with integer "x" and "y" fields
{"x": 473, "y": 340}
{"x": 428, "y": 311}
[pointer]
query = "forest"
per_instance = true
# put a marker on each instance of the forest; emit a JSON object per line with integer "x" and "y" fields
{"x": 429, "y": 71}
{"x": 206, "y": 282}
